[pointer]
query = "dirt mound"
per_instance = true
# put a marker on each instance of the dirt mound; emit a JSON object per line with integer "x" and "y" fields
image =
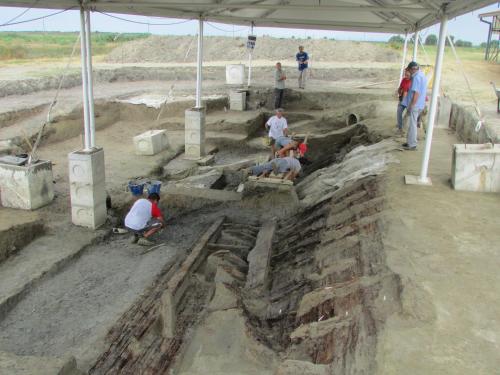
{"x": 161, "y": 49}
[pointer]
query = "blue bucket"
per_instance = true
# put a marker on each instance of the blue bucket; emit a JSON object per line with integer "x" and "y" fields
{"x": 136, "y": 188}
{"x": 154, "y": 187}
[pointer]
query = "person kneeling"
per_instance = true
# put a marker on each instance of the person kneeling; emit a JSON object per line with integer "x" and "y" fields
{"x": 145, "y": 219}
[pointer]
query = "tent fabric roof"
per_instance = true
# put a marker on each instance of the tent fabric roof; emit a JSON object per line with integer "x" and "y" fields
{"x": 386, "y": 16}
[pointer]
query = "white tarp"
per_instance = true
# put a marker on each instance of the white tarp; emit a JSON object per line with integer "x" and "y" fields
{"x": 389, "y": 16}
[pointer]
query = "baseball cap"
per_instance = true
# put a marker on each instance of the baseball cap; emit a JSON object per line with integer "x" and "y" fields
{"x": 413, "y": 64}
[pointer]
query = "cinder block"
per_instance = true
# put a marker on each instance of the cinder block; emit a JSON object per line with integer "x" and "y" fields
{"x": 87, "y": 188}
{"x": 235, "y": 74}
{"x": 238, "y": 100}
{"x": 151, "y": 142}
{"x": 194, "y": 119}
{"x": 25, "y": 187}
{"x": 195, "y": 133}
{"x": 88, "y": 195}
{"x": 476, "y": 167}
{"x": 89, "y": 216}
{"x": 193, "y": 151}
{"x": 87, "y": 167}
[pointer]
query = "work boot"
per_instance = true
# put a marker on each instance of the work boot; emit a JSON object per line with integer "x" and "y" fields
{"x": 145, "y": 242}
{"x": 134, "y": 238}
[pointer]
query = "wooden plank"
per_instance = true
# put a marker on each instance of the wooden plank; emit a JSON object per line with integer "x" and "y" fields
{"x": 259, "y": 257}
{"x": 177, "y": 284}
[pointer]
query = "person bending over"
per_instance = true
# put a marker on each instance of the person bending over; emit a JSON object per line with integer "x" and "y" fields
{"x": 291, "y": 147}
{"x": 289, "y": 166}
{"x": 145, "y": 219}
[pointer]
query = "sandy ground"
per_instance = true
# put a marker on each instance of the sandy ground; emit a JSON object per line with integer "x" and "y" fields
{"x": 445, "y": 246}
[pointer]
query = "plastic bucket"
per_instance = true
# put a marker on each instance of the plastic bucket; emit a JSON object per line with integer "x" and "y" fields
{"x": 136, "y": 188}
{"x": 154, "y": 187}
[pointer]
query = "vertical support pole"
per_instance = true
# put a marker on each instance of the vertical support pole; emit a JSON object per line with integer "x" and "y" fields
{"x": 250, "y": 52}
{"x": 403, "y": 63}
{"x": 434, "y": 99}
{"x": 86, "y": 116}
{"x": 90, "y": 83}
{"x": 415, "y": 45}
{"x": 199, "y": 67}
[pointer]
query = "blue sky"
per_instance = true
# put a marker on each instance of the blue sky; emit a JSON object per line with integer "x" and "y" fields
{"x": 467, "y": 27}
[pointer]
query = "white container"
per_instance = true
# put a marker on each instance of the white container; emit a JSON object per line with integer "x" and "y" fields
{"x": 151, "y": 142}
{"x": 25, "y": 187}
{"x": 235, "y": 74}
{"x": 476, "y": 167}
{"x": 238, "y": 100}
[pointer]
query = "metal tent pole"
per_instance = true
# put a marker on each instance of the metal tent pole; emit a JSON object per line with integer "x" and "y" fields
{"x": 90, "y": 83}
{"x": 403, "y": 63}
{"x": 415, "y": 46}
{"x": 83, "y": 46}
{"x": 250, "y": 60}
{"x": 434, "y": 100}
{"x": 199, "y": 72}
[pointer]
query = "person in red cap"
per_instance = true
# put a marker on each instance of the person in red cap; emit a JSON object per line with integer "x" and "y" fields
{"x": 292, "y": 147}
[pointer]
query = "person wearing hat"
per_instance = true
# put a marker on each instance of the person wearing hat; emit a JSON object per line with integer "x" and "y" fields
{"x": 414, "y": 103}
{"x": 303, "y": 60}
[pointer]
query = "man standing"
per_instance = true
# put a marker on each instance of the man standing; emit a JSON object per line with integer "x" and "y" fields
{"x": 403, "y": 89}
{"x": 277, "y": 127}
{"x": 414, "y": 103}
{"x": 303, "y": 61}
{"x": 145, "y": 219}
{"x": 279, "y": 86}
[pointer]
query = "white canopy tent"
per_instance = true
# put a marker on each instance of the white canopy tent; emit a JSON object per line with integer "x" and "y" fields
{"x": 386, "y": 16}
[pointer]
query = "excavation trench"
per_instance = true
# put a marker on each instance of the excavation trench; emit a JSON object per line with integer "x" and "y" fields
{"x": 269, "y": 295}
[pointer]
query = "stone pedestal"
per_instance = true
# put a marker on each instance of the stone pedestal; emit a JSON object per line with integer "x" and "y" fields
{"x": 195, "y": 133}
{"x": 238, "y": 100}
{"x": 25, "y": 187}
{"x": 88, "y": 188}
{"x": 476, "y": 167}
{"x": 151, "y": 142}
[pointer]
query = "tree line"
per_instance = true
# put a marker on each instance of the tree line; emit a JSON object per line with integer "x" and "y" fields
{"x": 431, "y": 40}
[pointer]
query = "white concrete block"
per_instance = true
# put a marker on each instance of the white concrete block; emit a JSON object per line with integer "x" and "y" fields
{"x": 235, "y": 74}
{"x": 151, "y": 142}
{"x": 87, "y": 188}
{"x": 238, "y": 100}
{"x": 195, "y": 133}
{"x": 89, "y": 216}
{"x": 194, "y": 119}
{"x": 87, "y": 195}
{"x": 86, "y": 167}
{"x": 476, "y": 167}
{"x": 194, "y": 152}
{"x": 27, "y": 188}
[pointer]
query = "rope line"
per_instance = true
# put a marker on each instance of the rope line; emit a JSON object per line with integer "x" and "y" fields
{"x": 226, "y": 31}
{"x": 32, "y": 156}
{"x": 144, "y": 23}
{"x": 37, "y": 18}
{"x": 22, "y": 13}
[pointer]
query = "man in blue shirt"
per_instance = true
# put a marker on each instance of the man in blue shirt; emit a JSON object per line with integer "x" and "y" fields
{"x": 303, "y": 61}
{"x": 414, "y": 103}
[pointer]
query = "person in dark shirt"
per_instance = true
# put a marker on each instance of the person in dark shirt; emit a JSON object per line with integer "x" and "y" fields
{"x": 303, "y": 60}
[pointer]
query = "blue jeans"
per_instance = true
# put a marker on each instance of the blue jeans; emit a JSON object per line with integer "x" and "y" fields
{"x": 401, "y": 109}
{"x": 281, "y": 164}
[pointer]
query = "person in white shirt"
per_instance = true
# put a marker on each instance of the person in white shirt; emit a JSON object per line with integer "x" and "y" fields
{"x": 277, "y": 127}
{"x": 145, "y": 219}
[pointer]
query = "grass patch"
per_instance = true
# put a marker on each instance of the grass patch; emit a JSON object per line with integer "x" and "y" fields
{"x": 53, "y": 45}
